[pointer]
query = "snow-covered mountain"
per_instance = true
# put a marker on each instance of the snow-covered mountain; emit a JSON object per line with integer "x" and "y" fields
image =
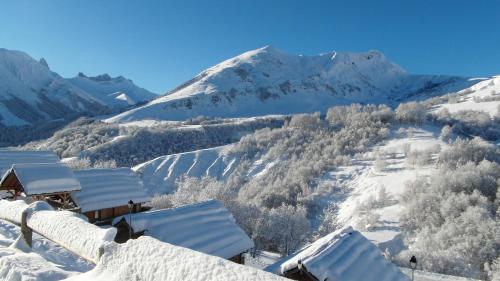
{"x": 268, "y": 81}
{"x": 117, "y": 92}
{"x": 30, "y": 93}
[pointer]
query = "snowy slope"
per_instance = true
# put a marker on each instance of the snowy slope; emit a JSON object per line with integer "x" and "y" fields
{"x": 362, "y": 183}
{"x": 159, "y": 175}
{"x": 30, "y": 93}
{"x": 268, "y": 81}
{"x": 117, "y": 92}
{"x": 483, "y": 96}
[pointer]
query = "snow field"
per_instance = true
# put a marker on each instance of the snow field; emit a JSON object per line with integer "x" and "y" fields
{"x": 487, "y": 89}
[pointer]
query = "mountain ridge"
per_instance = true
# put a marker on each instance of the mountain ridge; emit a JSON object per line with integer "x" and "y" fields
{"x": 268, "y": 81}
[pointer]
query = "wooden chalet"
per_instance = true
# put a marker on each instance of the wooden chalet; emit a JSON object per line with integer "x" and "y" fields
{"x": 205, "y": 227}
{"x": 344, "y": 255}
{"x": 105, "y": 193}
{"x": 52, "y": 182}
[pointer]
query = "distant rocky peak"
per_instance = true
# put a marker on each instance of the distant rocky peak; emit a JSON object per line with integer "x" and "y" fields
{"x": 101, "y": 78}
{"x": 43, "y": 62}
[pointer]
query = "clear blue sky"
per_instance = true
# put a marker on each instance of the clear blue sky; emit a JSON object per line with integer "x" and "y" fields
{"x": 160, "y": 44}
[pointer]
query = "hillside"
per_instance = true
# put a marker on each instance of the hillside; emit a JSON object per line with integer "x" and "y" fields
{"x": 413, "y": 183}
{"x": 269, "y": 81}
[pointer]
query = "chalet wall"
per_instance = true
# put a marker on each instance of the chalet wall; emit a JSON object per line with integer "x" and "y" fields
{"x": 110, "y": 213}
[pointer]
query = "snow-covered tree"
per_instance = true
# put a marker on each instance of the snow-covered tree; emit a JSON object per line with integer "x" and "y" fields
{"x": 380, "y": 163}
{"x": 446, "y": 133}
{"x": 411, "y": 112}
{"x": 286, "y": 227}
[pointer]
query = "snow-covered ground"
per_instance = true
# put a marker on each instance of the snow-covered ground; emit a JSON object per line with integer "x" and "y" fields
{"x": 379, "y": 221}
{"x": 46, "y": 261}
{"x": 480, "y": 97}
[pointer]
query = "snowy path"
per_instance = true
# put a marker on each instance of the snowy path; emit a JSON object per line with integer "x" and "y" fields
{"x": 371, "y": 201}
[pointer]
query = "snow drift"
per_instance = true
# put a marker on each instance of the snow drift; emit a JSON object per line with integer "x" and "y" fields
{"x": 149, "y": 259}
{"x": 70, "y": 230}
{"x": 12, "y": 210}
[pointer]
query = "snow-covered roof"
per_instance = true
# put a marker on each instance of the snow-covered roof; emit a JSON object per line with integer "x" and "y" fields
{"x": 146, "y": 258}
{"x": 44, "y": 178}
{"x": 344, "y": 255}
{"x": 206, "y": 227}
{"x": 108, "y": 188}
{"x": 70, "y": 230}
{"x": 10, "y": 157}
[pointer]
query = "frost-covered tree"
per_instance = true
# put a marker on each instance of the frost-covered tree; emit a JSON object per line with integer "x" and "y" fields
{"x": 286, "y": 227}
{"x": 446, "y": 133}
{"x": 450, "y": 219}
{"x": 310, "y": 121}
{"x": 494, "y": 273}
{"x": 411, "y": 112}
{"x": 380, "y": 163}
{"x": 329, "y": 221}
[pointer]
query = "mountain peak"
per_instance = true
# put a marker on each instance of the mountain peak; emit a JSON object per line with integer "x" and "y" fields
{"x": 44, "y": 63}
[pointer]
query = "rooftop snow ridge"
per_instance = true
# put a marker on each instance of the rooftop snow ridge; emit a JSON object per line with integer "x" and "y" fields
{"x": 207, "y": 227}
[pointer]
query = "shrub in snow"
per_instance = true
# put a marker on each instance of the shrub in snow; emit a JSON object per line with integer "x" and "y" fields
{"x": 286, "y": 227}
{"x": 380, "y": 163}
{"x": 86, "y": 163}
{"x": 462, "y": 151}
{"x": 446, "y": 133}
{"x": 406, "y": 147}
{"x": 418, "y": 158}
{"x": 410, "y": 133}
{"x": 494, "y": 270}
{"x": 329, "y": 221}
{"x": 308, "y": 121}
{"x": 411, "y": 112}
{"x": 471, "y": 123}
{"x": 161, "y": 202}
{"x": 366, "y": 221}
